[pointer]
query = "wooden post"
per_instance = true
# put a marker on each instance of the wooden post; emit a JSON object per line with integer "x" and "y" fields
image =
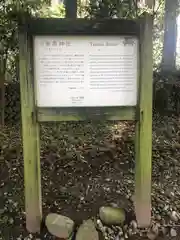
{"x": 2, "y": 90}
{"x": 71, "y": 8}
{"x": 30, "y": 134}
{"x": 144, "y": 127}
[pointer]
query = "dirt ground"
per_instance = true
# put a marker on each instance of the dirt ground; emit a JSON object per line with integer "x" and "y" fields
{"x": 85, "y": 166}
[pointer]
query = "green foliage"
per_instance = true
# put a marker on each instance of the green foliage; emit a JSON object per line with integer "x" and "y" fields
{"x": 82, "y": 7}
{"x": 57, "y": 11}
{"x": 116, "y": 9}
{"x": 10, "y": 12}
{"x": 112, "y": 8}
{"x": 130, "y": 9}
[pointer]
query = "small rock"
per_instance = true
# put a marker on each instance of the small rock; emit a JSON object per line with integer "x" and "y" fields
{"x": 118, "y": 191}
{"x": 158, "y": 217}
{"x": 112, "y": 215}
{"x": 163, "y": 221}
{"x": 174, "y": 216}
{"x": 176, "y": 146}
{"x": 109, "y": 231}
{"x": 164, "y": 231}
{"x": 166, "y": 207}
{"x": 99, "y": 224}
{"x": 151, "y": 235}
{"x": 114, "y": 205}
{"x": 117, "y": 238}
{"x": 132, "y": 198}
{"x": 2, "y": 210}
{"x": 119, "y": 231}
{"x": 130, "y": 232}
{"x": 11, "y": 220}
{"x": 153, "y": 232}
{"x": 173, "y": 232}
{"x": 87, "y": 231}
{"x": 134, "y": 225}
{"x": 107, "y": 179}
{"x": 125, "y": 227}
{"x": 59, "y": 226}
{"x": 126, "y": 236}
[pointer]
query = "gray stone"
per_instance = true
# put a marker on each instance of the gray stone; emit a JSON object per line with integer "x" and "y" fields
{"x": 112, "y": 215}
{"x": 164, "y": 230}
{"x": 153, "y": 232}
{"x": 151, "y": 235}
{"x": 174, "y": 216}
{"x": 59, "y": 226}
{"x": 173, "y": 232}
{"x": 2, "y": 210}
{"x": 87, "y": 231}
{"x": 134, "y": 225}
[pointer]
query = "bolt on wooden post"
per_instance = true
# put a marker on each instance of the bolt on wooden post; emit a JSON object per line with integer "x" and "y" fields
{"x": 93, "y": 46}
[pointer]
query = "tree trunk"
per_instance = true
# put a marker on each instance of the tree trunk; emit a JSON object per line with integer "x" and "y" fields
{"x": 2, "y": 100}
{"x": 2, "y": 90}
{"x": 71, "y": 8}
{"x": 170, "y": 36}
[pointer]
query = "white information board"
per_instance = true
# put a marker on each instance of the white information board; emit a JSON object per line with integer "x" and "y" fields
{"x": 80, "y": 71}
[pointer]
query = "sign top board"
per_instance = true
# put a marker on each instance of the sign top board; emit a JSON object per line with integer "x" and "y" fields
{"x": 57, "y": 26}
{"x": 85, "y": 71}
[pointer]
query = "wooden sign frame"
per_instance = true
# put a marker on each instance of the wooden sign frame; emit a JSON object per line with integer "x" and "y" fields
{"x": 32, "y": 115}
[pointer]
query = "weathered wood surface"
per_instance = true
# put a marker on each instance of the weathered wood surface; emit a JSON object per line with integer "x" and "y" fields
{"x": 82, "y": 114}
{"x": 53, "y": 26}
{"x": 30, "y": 132}
{"x": 144, "y": 127}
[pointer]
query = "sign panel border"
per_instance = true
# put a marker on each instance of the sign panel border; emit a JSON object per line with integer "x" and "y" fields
{"x": 56, "y": 27}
